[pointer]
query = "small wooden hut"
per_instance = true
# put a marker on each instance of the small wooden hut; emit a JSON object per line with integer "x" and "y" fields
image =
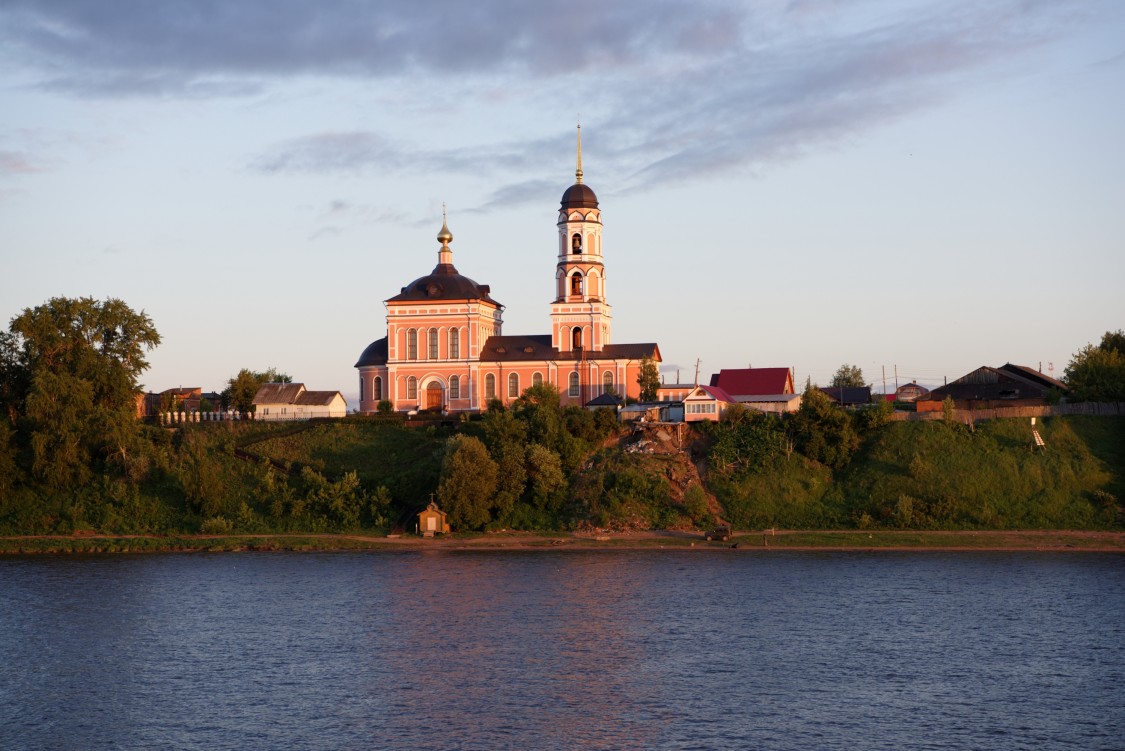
{"x": 432, "y": 521}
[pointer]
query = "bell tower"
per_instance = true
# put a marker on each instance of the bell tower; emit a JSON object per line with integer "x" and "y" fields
{"x": 580, "y": 315}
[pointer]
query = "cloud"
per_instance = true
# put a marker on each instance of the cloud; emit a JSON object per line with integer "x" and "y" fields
{"x": 17, "y": 163}
{"x": 325, "y": 232}
{"x": 340, "y": 216}
{"x": 332, "y": 152}
{"x": 340, "y": 209}
{"x": 672, "y": 91}
{"x": 177, "y": 46}
{"x": 739, "y": 93}
{"x": 520, "y": 193}
{"x": 367, "y": 152}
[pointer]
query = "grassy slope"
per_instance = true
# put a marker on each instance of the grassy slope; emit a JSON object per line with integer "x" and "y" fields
{"x": 404, "y": 460}
{"x": 907, "y": 475}
{"x": 929, "y": 475}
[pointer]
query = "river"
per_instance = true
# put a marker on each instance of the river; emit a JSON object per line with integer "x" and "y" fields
{"x": 563, "y": 650}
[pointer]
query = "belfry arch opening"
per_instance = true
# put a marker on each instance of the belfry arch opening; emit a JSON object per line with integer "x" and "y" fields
{"x": 576, "y": 338}
{"x": 576, "y": 284}
{"x": 576, "y": 243}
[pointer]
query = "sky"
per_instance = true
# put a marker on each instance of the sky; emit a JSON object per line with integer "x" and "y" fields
{"x": 914, "y": 187}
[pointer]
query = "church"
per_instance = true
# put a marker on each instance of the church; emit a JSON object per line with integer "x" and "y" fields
{"x": 445, "y": 348}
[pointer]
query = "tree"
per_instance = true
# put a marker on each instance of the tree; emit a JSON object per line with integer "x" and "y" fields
{"x": 1097, "y": 374}
{"x": 648, "y": 379}
{"x": 69, "y": 373}
{"x": 545, "y": 473}
{"x": 506, "y": 438}
{"x": 822, "y": 431}
{"x": 540, "y": 408}
{"x": 1113, "y": 341}
{"x": 468, "y": 481}
{"x": 9, "y": 466}
{"x": 240, "y": 390}
{"x": 744, "y": 440}
{"x": 848, "y": 376}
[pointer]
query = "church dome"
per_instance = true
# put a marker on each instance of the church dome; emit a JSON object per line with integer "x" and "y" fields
{"x": 444, "y": 283}
{"x": 579, "y": 196}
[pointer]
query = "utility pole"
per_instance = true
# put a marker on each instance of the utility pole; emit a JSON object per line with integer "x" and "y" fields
{"x": 697, "y": 361}
{"x": 885, "y": 382}
{"x": 896, "y": 378}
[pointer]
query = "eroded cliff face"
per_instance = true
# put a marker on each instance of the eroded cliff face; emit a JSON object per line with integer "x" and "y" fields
{"x": 647, "y": 479}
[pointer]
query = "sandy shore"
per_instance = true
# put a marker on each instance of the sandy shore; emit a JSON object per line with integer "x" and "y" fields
{"x": 743, "y": 541}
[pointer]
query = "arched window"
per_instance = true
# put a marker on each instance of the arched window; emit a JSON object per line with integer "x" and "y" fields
{"x": 361, "y": 388}
{"x": 576, "y": 338}
{"x": 576, "y": 284}
{"x": 377, "y": 389}
{"x": 454, "y": 385}
{"x": 490, "y": 386}
{"x": 576, "y": 243}
{"x": 454, "y": 344}
{"x": 607, "y": 381}
{"x": 537, "y": 379}
{"x": 412, "y": 344}
{"x": 411, "y": 388}
{"x": 432, "y": 341}
{"x": 574, "y": 382}
{"x": 513, "y": 385}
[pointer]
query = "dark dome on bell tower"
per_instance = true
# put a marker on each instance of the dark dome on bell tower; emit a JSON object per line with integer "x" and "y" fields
{"x": 579, "y": 196}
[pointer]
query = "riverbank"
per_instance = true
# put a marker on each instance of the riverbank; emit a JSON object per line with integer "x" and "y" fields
{"x": 828, "y": 540}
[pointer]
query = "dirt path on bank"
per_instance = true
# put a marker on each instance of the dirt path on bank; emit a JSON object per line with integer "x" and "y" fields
{"x": 769, "y": 540}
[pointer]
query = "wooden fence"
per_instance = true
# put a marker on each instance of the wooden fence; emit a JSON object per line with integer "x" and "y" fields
{"x": 1108, "y": 409}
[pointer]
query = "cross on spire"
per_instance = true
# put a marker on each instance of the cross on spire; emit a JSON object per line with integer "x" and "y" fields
{"x": 578, "y": 172}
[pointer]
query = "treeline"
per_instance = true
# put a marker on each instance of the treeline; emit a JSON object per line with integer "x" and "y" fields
{"x": 73, "y": 456}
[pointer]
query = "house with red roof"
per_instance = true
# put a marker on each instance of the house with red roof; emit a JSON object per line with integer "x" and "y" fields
{"x": 763, "y": 389}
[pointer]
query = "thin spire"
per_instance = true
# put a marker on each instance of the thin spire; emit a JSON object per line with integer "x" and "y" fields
{"x": 578, "y": 172}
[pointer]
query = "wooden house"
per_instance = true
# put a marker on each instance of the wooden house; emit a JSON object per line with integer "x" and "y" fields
{"x": 432, "y": 521}
{"x": 987, "y": 388}
{"x": 848, "y": 396}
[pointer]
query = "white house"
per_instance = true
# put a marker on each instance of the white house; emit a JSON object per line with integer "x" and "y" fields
{"x": 292, "y": 401}
{"x": 706, "y": 403}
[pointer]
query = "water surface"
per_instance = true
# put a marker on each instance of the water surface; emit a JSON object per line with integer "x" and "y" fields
{"x": 563, "y": 650}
